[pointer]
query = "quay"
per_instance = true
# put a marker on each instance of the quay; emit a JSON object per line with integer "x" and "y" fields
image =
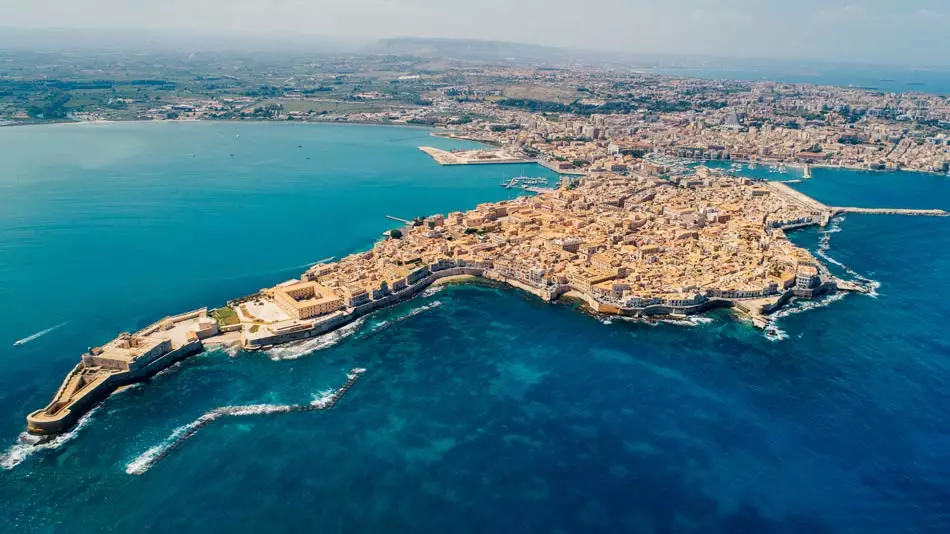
{"x": 475, "y": 157}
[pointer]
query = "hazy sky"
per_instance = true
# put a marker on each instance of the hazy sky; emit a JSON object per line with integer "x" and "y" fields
{"x": 878, "y": 31}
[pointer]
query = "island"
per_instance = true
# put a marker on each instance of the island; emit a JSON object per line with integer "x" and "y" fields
{"x": 631, "y": 245}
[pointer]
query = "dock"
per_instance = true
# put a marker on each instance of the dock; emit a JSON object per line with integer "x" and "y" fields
{"x": 475, "y": 157}
{"x": 524, "y": 182}
{"x": 398, "y": 219}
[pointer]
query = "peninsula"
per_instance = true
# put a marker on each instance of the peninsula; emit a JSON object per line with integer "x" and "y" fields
{"x": 630, "y": 245}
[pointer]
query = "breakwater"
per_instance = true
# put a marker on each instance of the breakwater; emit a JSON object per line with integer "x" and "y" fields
{"x": 156, "y": 454}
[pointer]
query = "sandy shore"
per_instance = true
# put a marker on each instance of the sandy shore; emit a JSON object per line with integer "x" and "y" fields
{"x": 457, "y": 279}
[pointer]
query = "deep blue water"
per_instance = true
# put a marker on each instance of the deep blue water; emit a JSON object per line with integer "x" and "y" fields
{"x": 493, "y": 412}
{"x": 873, "y": 77}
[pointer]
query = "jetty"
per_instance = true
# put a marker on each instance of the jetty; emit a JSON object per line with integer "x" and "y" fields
{"x": 824, "y": 212}
{"x": 892, "y": 211}
{"x": 398, "y": 219}
{"x": 523, "y": 182}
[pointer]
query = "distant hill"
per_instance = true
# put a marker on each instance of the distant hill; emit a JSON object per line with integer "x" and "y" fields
{"x": 490, "y": 51}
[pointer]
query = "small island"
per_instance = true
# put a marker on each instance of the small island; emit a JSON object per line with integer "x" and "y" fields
{"x": 631, "y": 245}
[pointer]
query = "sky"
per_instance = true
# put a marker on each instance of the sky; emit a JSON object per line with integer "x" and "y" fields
{"x": 911, "y": 32}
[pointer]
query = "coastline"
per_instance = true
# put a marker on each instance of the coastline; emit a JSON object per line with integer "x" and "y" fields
{"x": 308, "y": 307}
{"x": 84, "y": 394}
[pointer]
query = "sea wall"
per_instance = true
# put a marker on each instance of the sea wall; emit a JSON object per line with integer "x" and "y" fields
{"x": 324, "y": 327}
{"x": 68, "y": 417}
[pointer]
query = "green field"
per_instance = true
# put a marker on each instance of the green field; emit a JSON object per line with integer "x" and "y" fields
{"x": 225, "y": 316}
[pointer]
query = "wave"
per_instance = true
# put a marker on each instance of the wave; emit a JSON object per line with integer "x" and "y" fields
{"x": 432, "y": 290}
{"x": 321, "y": 401}
{"x": 824, "y": 245}
{"x": 773, "y": 332}
{"x": 297, "y": 350}
{"x": 169, "y": 370}
{"x": 37, "y": 335}
{"x": 383, "y": 325}
{"x": 27, "y": 444}
{"x": 692, "y": 320}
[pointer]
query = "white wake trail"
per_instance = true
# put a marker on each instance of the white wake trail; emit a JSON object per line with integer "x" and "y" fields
{"x": 37, "y": 335}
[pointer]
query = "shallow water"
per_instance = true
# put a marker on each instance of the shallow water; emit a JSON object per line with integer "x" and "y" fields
{"x": 489, "y": 411}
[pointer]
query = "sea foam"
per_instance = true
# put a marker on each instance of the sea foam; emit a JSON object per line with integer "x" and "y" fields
{"x": 321, "y": 401}
{"x": 293, "y": 351}
{"x": 28, "y": 444}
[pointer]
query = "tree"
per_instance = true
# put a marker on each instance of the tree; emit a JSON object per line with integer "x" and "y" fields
{"x": 395, "y": 234}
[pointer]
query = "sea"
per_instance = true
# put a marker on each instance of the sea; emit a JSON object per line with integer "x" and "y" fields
{"x": 481, "y": 409}
{"x": 891, "y": 79}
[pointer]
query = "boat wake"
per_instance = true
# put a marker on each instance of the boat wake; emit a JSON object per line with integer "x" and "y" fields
{"x": 297, "y": 350}
{"x": 322, "y": 401}
{"x": 27, "y": 444}
{"x": 383, "y": 325}
{"x": 37, "y": 335}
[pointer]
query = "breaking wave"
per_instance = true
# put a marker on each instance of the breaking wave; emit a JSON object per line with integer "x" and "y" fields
{"x": 431, "y": 290}
{"x": 293, "y": 351}
{"x": 692, "y": 320}
{"x": 27, "y": 444}
{"x": 773, "y": 332}
{"x": 824, "y": 245}
{"x": 37, "y": 335}
{"x": 321, "y": 401}
{"x": 383, "y": 325}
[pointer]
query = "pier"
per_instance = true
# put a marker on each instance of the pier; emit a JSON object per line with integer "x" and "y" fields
{"x": 398, "y": 219}
{"x": 827, "y": 212}
{"x": 524, "y": 182}
{"x": 892, "y": 211}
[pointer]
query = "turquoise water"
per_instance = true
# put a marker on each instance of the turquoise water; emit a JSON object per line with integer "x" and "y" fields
{"x": 489, "y": 411}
